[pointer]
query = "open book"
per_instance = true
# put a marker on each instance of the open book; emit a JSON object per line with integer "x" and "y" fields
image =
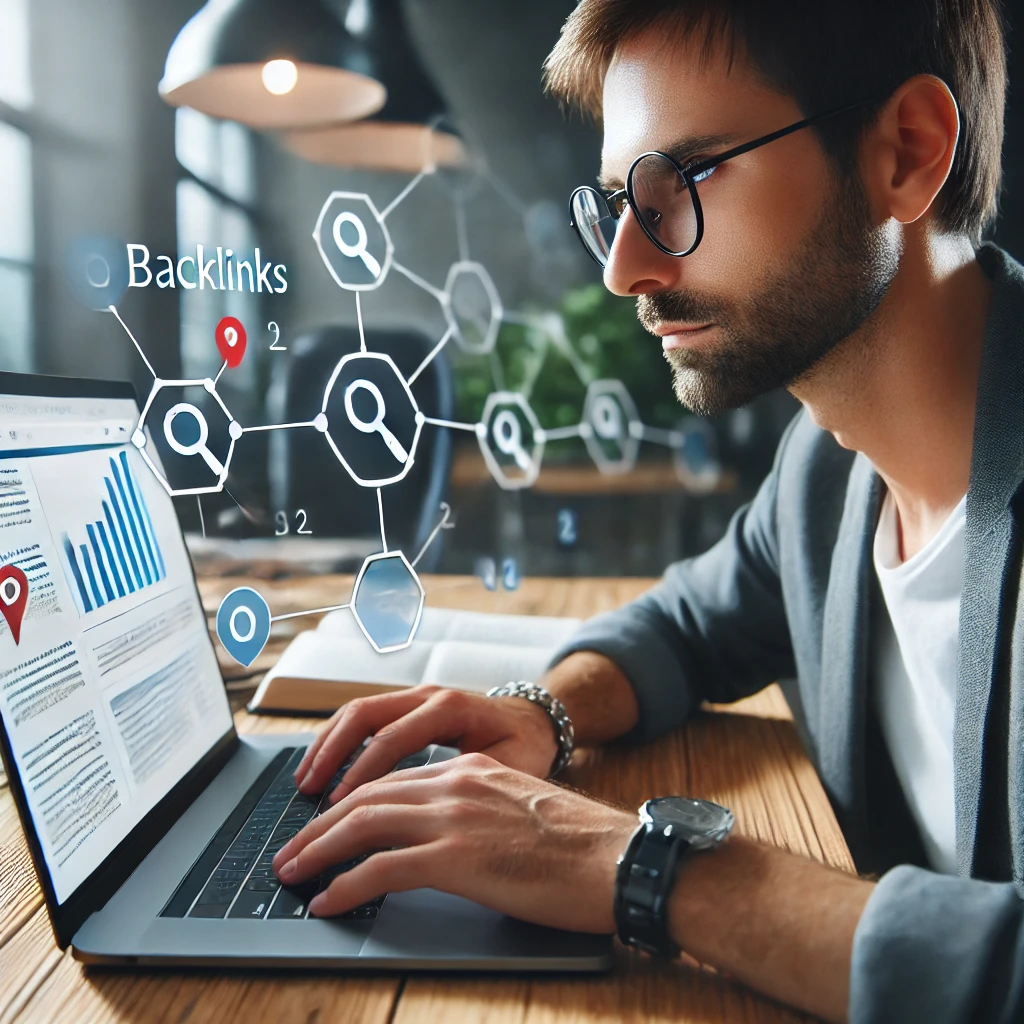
{"x": 323, "y": 668}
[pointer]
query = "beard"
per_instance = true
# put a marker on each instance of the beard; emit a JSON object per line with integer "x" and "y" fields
{"x": 779, "y": 335}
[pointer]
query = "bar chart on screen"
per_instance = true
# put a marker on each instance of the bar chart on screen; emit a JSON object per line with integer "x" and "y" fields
{"x": 117, "y": 553}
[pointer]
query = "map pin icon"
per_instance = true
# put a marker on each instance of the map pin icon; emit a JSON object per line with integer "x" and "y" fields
{"x": 231, "y": 338}
{"x": 13, "y": 598}
{"x": 243, "y": 624}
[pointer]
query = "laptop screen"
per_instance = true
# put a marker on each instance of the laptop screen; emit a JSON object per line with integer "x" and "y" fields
{"x": 109, "y": 686}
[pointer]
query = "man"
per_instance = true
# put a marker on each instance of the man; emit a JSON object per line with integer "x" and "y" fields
{"x": 879, "y": 564}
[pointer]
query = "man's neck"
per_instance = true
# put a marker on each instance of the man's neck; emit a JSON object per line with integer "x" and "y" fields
{"x": 902, "y": 390}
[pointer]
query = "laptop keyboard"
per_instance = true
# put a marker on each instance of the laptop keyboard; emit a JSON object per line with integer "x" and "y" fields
{"x": 234, "y": 877}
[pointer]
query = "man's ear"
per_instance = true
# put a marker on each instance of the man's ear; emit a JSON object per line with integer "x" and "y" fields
{"x": 908, "y": 152}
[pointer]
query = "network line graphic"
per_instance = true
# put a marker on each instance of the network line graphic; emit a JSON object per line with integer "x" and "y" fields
{"x": 355, "y": 244}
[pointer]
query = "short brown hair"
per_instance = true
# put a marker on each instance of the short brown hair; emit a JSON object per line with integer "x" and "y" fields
{"x": 827, "y": 53}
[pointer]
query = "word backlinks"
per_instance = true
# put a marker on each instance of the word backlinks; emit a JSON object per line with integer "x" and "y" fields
{"x": 222, "y": 272}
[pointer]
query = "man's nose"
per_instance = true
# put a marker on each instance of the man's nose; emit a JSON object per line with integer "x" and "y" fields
{"x": 635, "y": 264}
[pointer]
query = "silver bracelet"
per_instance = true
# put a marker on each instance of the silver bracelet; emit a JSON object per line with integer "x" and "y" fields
{"x": 556, "y": 711}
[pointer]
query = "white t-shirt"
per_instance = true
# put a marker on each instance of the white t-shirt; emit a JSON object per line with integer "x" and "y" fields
{"x": 915, "y": 656}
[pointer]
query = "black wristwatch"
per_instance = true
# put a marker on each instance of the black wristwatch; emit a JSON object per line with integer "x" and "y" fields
{"x": 671, "y": 827}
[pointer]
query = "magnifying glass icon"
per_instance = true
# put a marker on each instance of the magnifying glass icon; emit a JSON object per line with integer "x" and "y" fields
{"x": 359, "y": 249}
{"x": 197, "y": 447}
{"x": 607, "y": 418}
{"x": 508, "y": 436}
{"x": 376, "y": 425}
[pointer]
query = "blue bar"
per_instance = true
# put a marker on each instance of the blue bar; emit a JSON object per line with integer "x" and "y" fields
{"x": 77, "y": 573}
{"x": 102, "y": 531}
{"x": 149, "y": 524}
{"x": 92, "y": 578}
{"x": 132, "y": 523}
{"x": 120, "y": 550}
{"x": 124, "y": 533}
{"x": 142, "y": 514}
{"x": 107, "y": 588}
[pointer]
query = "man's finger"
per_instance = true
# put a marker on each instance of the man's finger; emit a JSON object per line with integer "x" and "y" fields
{"x": 366, "y": 828}
{"x": 412, "y": 786}
{"x": 386, "y": 871}
{"x": 443, "y": 716}
{"x": 355, "y": 721}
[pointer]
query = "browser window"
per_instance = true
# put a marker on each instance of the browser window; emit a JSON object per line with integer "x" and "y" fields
{"x": 109, "y": 686}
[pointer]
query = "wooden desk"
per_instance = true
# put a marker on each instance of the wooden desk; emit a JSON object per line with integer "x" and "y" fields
{"x": 746, "y": 756}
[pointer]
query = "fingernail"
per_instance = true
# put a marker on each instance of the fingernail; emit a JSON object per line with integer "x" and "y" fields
{"x": 287, "y": 871}
{"x": 316, "y": 904}
{"x": 305, "y": 779}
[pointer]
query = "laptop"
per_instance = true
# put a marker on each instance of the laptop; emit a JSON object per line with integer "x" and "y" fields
{"x": 150, "y": 821}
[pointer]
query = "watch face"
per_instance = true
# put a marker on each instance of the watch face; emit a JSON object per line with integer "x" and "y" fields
{"x": 691, "y": 816}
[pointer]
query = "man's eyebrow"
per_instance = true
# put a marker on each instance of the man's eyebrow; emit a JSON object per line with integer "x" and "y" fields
{"x": 682, "y": 152}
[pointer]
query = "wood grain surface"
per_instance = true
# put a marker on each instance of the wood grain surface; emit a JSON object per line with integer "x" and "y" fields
{"x": 746, "y": 756}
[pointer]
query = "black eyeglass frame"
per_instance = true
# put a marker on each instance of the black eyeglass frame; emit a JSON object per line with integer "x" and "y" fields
{"x": 613, "y": 200}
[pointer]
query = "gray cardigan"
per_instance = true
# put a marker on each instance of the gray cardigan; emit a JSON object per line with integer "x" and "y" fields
{"x": 788, "y": 594}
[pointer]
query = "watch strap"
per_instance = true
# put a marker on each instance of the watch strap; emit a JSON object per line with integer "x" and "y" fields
{"x": 644, "y": 879}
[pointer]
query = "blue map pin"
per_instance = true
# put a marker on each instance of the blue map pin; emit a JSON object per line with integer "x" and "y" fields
{"x": 243, "y": 624}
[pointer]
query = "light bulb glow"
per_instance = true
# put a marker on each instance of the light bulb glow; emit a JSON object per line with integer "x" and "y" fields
{"x": 280, "y": 76}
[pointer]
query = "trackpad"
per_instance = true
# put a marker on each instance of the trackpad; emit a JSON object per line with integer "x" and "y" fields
{"x": 427, "y": 924}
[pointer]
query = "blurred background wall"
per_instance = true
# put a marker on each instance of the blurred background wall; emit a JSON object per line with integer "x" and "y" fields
{"x": 89, "y": 149}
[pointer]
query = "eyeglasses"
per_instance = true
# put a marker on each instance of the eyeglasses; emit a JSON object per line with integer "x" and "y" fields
{"x": 663, "y": 197}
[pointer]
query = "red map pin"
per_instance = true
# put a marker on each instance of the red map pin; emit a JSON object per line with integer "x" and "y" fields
{"x": 230, "y": 336}
{"x": 13, "y": 598}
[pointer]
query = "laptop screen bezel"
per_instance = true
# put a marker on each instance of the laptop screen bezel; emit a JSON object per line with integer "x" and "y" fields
{"x": 67, "y": 917}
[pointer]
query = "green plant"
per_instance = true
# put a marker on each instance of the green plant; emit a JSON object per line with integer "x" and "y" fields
{"x": 552, "y": 356}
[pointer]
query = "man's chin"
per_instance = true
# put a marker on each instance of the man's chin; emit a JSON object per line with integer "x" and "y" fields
{"x": 706, "y": 395}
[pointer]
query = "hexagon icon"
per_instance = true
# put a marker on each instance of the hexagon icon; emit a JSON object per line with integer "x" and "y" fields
{"x": 191, "y": 436}
{"x": 611, "y": 426}
{"x": 354, "y": 242}
{"x": 695, "y": 455}
{"x": 387, "y": 601}
{"x": 472, "y": 307}
{"x": 370, "y": 419}
{"x": 511, "y": 440}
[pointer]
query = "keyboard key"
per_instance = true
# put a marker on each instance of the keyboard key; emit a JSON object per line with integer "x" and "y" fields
{"x": 263, "y": 885}
{"x": 208, "y": 910}
{"x": 251, "y": 905}
{"x": 290, "y": 904}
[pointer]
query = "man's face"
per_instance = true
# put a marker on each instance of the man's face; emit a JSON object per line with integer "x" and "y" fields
{"x": 791, "y": 263}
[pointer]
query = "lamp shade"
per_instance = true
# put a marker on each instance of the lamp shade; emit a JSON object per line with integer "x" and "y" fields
{"x": 403, "y": 135}
{"x": 378, "y": 145}
{"x": 271, "y": 65}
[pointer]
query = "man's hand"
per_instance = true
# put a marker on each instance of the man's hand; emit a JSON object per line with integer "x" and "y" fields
{"x": 511, "y": 730}
{"x": 474, "y": 828}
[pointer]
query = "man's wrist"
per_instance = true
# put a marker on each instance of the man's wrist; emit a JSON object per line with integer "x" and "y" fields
{"x": 558, "y": 718}
{"x": 597, "y": 695}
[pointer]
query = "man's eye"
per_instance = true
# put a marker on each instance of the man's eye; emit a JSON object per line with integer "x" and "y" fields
{"x": 653, "y": 217}
{"x": 703, "y": 175}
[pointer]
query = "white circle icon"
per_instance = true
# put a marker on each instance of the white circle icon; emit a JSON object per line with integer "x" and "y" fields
{"x": 101, "y": 280}
{"x": 376, "y": 425}
{"x": 10, "y": 591}
{"x": 239, "y": 637}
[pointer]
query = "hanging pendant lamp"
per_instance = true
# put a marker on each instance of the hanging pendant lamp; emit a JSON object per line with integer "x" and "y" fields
{"x": 408, "y": 133}
{"x": 271, "y": 65}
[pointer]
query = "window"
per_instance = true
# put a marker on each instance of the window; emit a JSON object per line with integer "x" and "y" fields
{"x": 17, "y": 242}
{"x": 214, "y": 208}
